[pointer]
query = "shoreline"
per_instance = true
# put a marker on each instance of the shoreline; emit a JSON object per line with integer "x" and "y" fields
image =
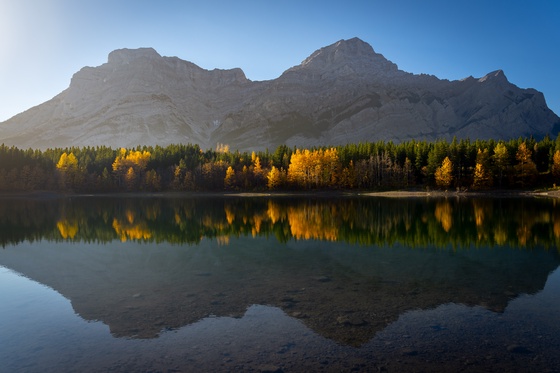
{"x": 487, "y": 193}
{"x": 48, "y": 195}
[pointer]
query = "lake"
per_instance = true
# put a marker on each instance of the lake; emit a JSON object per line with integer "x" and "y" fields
{"x": 279, "y": 284}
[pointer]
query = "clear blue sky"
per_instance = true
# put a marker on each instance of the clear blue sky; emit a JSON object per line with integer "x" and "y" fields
{"x": 44, "y": 42}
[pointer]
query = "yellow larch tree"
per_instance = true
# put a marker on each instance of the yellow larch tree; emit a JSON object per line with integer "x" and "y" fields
{"x": 299, "y": 170}
{"x": 482, "y": 176}
{"x": 131, "y": 179}
{"x": 318, "y": 168}
{"x": 501, "y": 161}
{"x": 130, "y": 165}
{"x": 526, "y": 169}
{"x": 70, "y": 173}
{"x": 229, "y": 180}
{"x": 275, "y": 178}
{"x": 444, "y": 174}
{"x": 555, "y": 169}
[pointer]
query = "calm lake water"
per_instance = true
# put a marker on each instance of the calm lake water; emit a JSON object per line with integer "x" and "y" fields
{"x": 99, "y": 284}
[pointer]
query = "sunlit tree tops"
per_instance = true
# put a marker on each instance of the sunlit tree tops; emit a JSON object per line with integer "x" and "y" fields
{"x": 464, "y": 164}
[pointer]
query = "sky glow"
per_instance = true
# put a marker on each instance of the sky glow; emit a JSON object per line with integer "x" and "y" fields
{"x": 44, "y": 42}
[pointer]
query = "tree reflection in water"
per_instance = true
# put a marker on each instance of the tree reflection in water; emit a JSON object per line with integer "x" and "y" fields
{"x": 462, "y": 222}
{"x": 349, "y": 269}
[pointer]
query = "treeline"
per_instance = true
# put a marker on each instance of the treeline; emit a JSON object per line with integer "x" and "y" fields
{"x": 483, "y": 164}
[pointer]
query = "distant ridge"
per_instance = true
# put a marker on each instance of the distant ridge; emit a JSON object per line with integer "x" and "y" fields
{"x": 342, "y": 93}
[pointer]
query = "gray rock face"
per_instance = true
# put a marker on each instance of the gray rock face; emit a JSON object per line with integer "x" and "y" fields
{"x": 342, "y": 93}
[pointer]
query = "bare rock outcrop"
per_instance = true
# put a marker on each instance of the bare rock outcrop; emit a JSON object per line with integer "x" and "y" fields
{"x": 342, "y": 93}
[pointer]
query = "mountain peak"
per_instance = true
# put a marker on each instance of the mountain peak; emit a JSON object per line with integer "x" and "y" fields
{"x": 497, "y": 76}
{"x": 125, "y": 55}
{"x": 339, "y": 51}
{"x": 345, "y": 57}
{"x": 354, "y": 47}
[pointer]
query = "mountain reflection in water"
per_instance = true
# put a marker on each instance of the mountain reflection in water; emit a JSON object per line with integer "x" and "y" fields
{"x": 347, "y": 268}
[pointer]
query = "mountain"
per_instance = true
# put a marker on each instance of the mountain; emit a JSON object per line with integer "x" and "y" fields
{"x": 138, "y": 290}
{"x": 342, "y": 93}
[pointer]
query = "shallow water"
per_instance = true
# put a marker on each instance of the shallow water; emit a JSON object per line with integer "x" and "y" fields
{"x": 351, "y": 284}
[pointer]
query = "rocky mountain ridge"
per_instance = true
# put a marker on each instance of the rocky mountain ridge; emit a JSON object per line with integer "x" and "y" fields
{"x": 342, "y": 93}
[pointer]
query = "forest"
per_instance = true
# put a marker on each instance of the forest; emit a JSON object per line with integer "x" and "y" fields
{"x": 463, "y": 165}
